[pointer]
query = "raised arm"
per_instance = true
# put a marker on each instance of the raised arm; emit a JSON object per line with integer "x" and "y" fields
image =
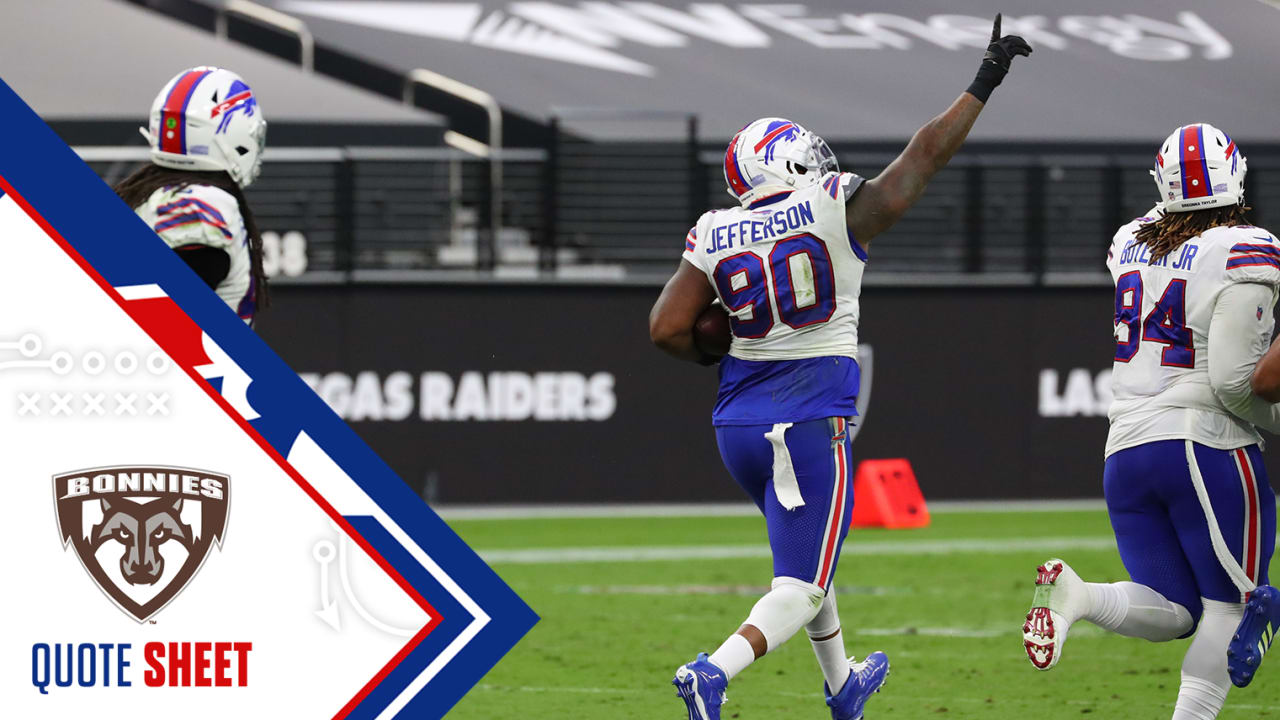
{"x": 880, "y": 202}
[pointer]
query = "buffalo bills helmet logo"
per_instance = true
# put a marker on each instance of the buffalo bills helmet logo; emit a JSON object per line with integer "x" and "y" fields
{"x": 239, "y": 99}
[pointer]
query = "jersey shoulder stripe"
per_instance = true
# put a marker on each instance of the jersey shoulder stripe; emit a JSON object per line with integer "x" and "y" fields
{"x": 841, "y": 185}
{"x": 1242, "y": 254}
{"x": 187, "y": 218}
{"x": 191, "y": 202}
{"x": 832, "y": 185}
{"x": 1252, "y": 260}
{"x": 1251, "y": 254}
{"x": 194, "y": 215}
{"x": 1254, "y": 248}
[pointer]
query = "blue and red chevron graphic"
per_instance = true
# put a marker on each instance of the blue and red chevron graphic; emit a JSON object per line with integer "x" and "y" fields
{"x": 474, "y": 617}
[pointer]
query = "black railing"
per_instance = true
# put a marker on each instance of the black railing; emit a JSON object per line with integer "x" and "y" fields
{"x": 618, "y": 210}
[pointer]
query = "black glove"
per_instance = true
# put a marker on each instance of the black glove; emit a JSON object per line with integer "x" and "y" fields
{"x": 995, "y": 64}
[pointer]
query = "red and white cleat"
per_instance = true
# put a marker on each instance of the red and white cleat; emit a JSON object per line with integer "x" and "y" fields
{"x": 1058, "y": 591}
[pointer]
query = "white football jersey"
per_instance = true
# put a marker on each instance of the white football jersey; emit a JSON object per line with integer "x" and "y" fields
{"x": 1162, "y": 314}
{"x": 788, "y": 271}
{"x": 206, "y": 215}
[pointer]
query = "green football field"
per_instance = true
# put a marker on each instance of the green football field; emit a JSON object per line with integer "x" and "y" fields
{"x": 624, "y": 601}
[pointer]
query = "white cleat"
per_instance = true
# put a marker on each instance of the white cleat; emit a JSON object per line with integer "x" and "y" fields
{"x": 1059, "y": 592}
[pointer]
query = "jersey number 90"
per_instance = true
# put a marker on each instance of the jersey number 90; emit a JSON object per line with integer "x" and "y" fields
{"x": 1166, "y": 324}
{"x": 800, "y": 284}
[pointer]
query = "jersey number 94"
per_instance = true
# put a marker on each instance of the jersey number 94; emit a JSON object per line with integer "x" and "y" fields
{"x": 1165, "y": 324}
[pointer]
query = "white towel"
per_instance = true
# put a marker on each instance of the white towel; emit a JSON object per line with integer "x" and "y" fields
{"x": 785, "y": 485}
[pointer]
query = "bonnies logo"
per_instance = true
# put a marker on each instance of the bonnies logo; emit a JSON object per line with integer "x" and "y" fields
{"x": 142, "y": 533}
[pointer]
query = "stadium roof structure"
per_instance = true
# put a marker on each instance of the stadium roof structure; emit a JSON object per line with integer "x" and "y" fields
{"x": 1103, "y": 70}
{"x": 82, "y": 63}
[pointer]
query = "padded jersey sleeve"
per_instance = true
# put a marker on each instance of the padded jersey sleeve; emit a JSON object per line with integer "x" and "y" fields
{"x": 841, "y": 187}
{"x": 691, "y": 246}
{"x": 694, "y": 250}
{"x": 1238, "y": 336}
{"x": 196, "y": 215}
{"x": 1253, "y": 256}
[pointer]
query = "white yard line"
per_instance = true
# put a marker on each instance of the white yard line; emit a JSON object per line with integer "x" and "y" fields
{"x": 737, "y": 509}
{"x": 535, "y": 512}
{"x": 573, "y": 690}
{"x": 758, "y": 590}
{"x": 949, "y": 632}
{"x": 979, "y": 698}
{"x": 990, "y": 546}
{"x": 942, "y": 507}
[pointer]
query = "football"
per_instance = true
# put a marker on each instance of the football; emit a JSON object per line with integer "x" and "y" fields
{"x": 711, "y": 330}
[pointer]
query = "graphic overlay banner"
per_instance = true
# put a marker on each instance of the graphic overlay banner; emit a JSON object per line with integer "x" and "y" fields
{"x": 193, "y": 531}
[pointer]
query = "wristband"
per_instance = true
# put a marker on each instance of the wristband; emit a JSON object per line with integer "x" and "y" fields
{"x": 989, "y": 76}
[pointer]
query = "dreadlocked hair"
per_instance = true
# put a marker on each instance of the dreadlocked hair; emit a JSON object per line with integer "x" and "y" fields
{"x": 141, "y": 183}
{"x": 1172, "y": 229}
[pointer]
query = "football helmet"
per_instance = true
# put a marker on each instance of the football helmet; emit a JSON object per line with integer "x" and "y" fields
{"x": 207, "y": 118}
{"x": 1199, "y": 167}
{"x": 773, "y": 155}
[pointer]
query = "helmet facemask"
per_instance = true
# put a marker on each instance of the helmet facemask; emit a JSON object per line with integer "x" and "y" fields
{"x": 244, "y": 159}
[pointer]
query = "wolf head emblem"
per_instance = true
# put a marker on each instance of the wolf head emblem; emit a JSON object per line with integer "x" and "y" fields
{"x": 141, "y": 529}
{"x": 142, "y": 533}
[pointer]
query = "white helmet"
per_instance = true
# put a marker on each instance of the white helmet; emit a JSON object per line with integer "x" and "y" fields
{"x": 207, "y": 118}
{"x": 772, "y": 156}
{"x": 1199, "y": 167}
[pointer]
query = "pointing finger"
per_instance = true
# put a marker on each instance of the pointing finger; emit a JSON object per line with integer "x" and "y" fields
{"x": 995, "y": 29}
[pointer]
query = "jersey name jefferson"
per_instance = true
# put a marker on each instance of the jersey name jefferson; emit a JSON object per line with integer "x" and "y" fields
{"x": 748, "y": 232}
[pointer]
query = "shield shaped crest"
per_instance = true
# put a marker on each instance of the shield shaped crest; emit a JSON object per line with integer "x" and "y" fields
{"x": 142, "y": 532}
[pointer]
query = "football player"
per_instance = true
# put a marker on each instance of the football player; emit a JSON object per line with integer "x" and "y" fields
{"x": 207, "y": 134}
{"x": 787, "y": 264}
{"x": 1185, "y": 485}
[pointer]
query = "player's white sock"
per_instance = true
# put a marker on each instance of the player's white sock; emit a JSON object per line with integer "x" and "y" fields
{"x": 1199, "y": 699}
{"x": 830, "y": 649}
{"x": 1204, "y": 669}
{"x": 789, "y": 606}
{"x": 1135, "y": 610}
{"x": 733, "y": 656}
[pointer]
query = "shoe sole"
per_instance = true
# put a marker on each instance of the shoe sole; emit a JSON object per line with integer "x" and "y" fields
{"x": 1252, "y": 638}
{"x": 1038, "y": 632}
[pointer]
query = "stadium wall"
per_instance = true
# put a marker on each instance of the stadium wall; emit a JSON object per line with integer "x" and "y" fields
{"x": 537, "y": 393}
